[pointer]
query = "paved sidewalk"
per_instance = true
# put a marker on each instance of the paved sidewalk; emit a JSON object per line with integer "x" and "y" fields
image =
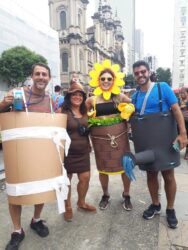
{"x": 176, "y": 239}
{"x": 112, "y": 229}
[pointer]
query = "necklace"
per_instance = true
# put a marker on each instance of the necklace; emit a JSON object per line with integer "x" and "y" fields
{"x": 33, "y": 103}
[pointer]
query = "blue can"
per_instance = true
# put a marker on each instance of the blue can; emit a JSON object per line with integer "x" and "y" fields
{"x": 18, "y": 100}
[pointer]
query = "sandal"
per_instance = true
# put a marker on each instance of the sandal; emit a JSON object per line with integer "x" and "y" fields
{"x": 87, "y": 208}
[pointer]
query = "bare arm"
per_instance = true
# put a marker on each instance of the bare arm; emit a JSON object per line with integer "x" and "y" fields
{"x": 124, "y": 98}
{"x": 182, "y": 137}
{"x": 89, "y": 103}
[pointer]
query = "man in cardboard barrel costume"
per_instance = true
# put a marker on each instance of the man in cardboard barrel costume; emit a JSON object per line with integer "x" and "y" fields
{"x": 109, "y": 110}
{"x": 155, "y": 138}
{"x": 35, "y": 99}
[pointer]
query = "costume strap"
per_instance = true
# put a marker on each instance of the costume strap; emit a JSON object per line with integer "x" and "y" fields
{"x": 51, "y": 105}
{"x": 146, "y": 98}
{"x": 24, "y": 100}
{"x": 160, "y": 97}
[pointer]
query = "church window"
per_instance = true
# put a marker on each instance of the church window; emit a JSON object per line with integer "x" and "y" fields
{"x": 183, "y": 11}
{"x": 65, "y": 63}
{"x": 63, "y": 21}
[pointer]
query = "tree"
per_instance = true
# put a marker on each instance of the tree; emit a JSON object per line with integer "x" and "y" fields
{"x": 16, "y": 63}
{"x": 129, "y": 81}
{"x": 164, "y": 75}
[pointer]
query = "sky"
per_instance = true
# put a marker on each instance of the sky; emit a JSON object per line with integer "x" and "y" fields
{"x": 154, "y": 17}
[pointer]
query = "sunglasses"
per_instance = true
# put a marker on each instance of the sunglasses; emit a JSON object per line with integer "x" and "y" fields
{"x": 109, "y": 79}
{"x": 137, "y": 73}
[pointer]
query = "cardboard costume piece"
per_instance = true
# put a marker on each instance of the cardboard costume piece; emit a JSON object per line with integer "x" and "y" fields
{"x": 155, "y": 132}
{"x": 154, "y": 135}
{"x": 29, "y": 160}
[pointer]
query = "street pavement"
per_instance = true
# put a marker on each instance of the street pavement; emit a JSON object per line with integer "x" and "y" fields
{"x": 1, "y": 160}
{"x": 176, "y": 239}
{"x": 112, "y": 229}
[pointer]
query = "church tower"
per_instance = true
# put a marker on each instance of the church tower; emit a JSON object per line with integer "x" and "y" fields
{"x": 119, "y": 40}
{"x": 107, "y": 35}
{"x": 68, "y": 17}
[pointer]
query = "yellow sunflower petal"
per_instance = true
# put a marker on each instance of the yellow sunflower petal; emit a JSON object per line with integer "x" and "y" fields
{"x": 92, "y": 73}
{"x": 124, "y": 115}
{"x": 97, "y": 91}
{"x": 115, "y": 67}
{"x": 92, "y": 113}
{"x": 106, "y": 64}
{"x": 120, "y": 75}
{"x": 116, "y": 90}
{"x": 93, "y": 83}
{"x": 129, "y": 108}
{"x": 121, "y": 106}
{"x": 98, "y": 67}
{"x": 119, "y": 82}
{"x": 106, "y": 95}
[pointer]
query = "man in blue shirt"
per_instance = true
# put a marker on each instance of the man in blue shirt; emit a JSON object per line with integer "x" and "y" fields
{"x": 141, "y": 73}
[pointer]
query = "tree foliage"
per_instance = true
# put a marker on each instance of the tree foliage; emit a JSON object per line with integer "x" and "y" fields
{"x": 164, "y": 75}
{"x": 16, "y": 63}
{"x": 129, "y": 81}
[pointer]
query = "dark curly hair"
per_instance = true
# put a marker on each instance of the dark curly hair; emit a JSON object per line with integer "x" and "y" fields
{"x": 141, "y": 63}
{"x": 66, "y": 106}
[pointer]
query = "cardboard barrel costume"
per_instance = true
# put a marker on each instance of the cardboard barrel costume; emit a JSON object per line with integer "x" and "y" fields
{"x": 109, "y": 134}
{"x": 153, "y": 137}
{"x": 33, "y": 150}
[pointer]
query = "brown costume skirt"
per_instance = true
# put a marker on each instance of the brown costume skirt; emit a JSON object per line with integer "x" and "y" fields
{"x": 110, "y": 143}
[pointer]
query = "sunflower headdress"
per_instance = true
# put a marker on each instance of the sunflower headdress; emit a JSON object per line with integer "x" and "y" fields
{"x": 95, "y": 79}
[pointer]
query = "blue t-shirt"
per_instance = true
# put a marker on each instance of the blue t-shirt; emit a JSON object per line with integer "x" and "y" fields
{"x": 152, "y": 105}
{"x": 57, "y": 100}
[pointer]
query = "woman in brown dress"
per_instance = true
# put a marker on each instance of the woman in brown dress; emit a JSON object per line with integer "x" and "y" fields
{"x": 78, "y": 159}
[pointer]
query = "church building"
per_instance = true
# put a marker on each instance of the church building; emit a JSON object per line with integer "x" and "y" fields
{"x": 81, "y": 47}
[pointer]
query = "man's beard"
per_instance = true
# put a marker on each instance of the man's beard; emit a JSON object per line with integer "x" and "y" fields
{"x": 145, "y": 81}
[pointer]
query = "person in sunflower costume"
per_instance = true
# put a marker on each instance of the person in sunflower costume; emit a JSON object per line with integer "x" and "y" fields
{"x": 109, "y": 111}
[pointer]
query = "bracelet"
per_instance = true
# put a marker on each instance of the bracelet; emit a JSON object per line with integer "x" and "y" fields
{"x": 183, "y": 133}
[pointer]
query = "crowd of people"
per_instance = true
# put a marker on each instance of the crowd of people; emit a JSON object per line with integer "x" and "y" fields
{"x": 102, "y": 119}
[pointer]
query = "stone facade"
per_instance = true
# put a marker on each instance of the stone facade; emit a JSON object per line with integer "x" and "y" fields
{"x": 180, "y": 50}
{"x": 81, "y": 47}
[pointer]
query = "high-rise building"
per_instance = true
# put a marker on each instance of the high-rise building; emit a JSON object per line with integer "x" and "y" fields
{"x": 126, "y": 12}
{"x": 152, "y": 61}
{"x": 180, "y": 50}
{"x": 139, "y": 45}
